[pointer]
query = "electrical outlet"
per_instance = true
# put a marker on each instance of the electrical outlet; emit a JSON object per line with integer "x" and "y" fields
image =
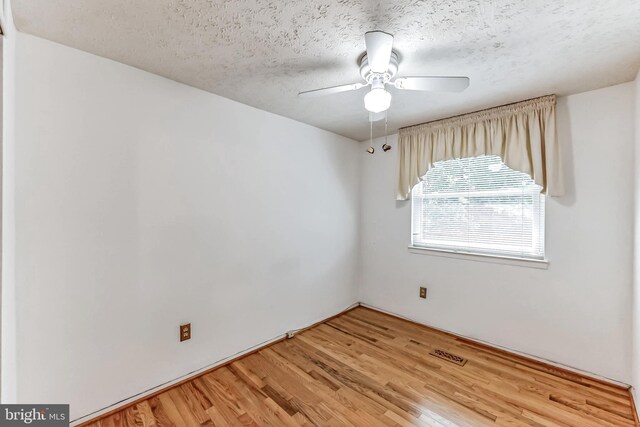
{"x": 423, "y": 293}
{"x": 185, "y": 332}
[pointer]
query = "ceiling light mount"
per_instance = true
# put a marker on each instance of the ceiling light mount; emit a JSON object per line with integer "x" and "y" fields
{"x": 368, "y": 75}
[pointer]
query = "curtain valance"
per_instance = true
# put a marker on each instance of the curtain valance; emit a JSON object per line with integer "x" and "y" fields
{"x": 522, "y": 134}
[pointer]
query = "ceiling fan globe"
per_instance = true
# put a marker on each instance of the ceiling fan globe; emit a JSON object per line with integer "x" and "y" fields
{"x": 377, "y": 100}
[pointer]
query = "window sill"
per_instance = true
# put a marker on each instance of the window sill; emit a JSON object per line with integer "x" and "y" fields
{"x": 495, "y": 259}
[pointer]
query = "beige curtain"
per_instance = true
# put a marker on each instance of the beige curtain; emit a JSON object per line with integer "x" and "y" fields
{"x": 522, "y": 134}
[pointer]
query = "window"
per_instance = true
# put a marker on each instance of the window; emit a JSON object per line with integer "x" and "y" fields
{"x": 478, "y": 205}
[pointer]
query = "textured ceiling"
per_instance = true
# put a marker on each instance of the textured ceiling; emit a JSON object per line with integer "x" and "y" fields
{"x": 262, "y": 52}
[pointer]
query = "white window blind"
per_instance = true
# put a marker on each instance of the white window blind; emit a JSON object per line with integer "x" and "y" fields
{"x": 478, "y": 205}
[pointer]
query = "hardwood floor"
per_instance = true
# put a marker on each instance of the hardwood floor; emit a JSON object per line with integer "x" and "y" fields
{"x": 366, "y": 368}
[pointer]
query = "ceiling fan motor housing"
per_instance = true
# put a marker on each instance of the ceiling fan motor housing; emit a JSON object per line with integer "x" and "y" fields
{"x": 369, "y": 76}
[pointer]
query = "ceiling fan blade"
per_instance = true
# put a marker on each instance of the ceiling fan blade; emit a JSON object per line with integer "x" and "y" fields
{"x": 435, "y": 84}
{"x": 379, "y": 45}
{"x": 330, "y": 90}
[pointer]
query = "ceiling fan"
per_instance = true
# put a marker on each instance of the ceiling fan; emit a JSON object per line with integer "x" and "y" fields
{"x": 378, "y": 66}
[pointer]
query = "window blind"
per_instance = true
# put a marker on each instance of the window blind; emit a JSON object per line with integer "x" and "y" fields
{"x": 478, "y": 205}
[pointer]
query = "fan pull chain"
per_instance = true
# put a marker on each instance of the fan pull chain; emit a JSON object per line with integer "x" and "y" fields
{"x": 386, "y": 147}
{"x": 371, "y": 150}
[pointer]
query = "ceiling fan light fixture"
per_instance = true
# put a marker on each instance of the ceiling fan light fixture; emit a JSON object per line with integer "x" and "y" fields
{"x": 377, "y": 100}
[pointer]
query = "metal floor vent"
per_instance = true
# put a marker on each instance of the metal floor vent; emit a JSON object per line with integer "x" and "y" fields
{"x": 449, "y": 357}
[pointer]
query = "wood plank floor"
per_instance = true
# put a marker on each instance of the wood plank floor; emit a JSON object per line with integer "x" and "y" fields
{"x": 366, "y": 368}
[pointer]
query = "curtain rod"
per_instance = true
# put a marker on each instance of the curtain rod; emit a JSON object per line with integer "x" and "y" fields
{"x": 505, "y": 106}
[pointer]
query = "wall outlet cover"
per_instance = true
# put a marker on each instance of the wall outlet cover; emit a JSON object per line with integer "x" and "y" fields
{"x": 185, "y": 332}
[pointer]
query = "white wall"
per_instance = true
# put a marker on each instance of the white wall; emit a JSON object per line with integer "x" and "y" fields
{"x": 142, "y": 203}
{"x": 635, "y": 365}
{"x": 8, "y": 356}
{"x": 578, "y": 312}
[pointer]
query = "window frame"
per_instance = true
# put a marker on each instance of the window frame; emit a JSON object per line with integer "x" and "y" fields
{"x": 509, "y": 259}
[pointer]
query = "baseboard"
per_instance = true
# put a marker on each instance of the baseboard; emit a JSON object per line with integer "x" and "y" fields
{"x": 514, "y": 353}
{"x": 632, "y": 397}
{"x": 161, "y": 388}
